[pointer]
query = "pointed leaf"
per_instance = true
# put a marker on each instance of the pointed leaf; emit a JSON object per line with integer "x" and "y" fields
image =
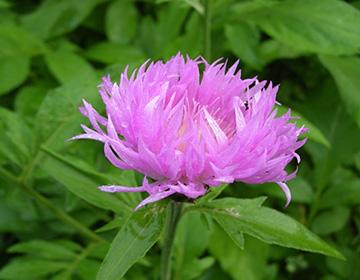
{"x": 266, "y": 224}
{"x": 132, "y": 242}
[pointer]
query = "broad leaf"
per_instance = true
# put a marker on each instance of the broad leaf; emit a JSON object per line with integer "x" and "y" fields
{"x": 114, "y": 53}
{"x": 244, "y": 40}
{"x": 69, "y": 67}
{"x": 121, "y": 21}
{"x": 321, "y": 26}
{"x": 14, "y": 70}
{"x": 20, "y": 40}
{"x": 132, "y": 242}
{"x": 53, "y": 18}
{"x": 266, "y": 224}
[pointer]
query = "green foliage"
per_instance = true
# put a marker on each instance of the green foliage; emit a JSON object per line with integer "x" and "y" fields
{"x": 55, "y": 223}
{"x": 135, "y": 238}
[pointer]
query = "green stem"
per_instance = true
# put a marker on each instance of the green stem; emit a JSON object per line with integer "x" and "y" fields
{"x": 172, "y": 218}
{"x": 60, "y": 214}
{"x": 207, "y": 29}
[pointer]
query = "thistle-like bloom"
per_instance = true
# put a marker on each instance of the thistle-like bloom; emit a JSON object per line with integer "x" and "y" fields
{"x": 189, "y": 131}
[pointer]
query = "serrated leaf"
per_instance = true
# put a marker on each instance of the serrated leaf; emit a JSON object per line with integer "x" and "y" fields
{"x": 132, "y": 242}
{"x": 266, "y": 224}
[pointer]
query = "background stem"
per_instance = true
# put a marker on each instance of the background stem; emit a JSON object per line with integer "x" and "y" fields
{"x": 172, "y": 218}
{"x": 59, "y": 213}
{"x": 207, "y": 30}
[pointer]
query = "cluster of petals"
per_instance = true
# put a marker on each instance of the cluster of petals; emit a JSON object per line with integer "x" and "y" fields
{"x": 188, "y": 130}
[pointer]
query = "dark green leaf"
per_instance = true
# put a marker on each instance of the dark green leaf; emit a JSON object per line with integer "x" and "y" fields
{"x": 331, "y": 221}
{"x": 346, "y": 73}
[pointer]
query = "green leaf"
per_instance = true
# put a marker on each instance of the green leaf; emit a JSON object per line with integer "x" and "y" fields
{"x": 43, "y": 249}
{"x": 301, "y": 190}
{"x": 132, "y": 242}
{"x": 69, "y": 67}
{"x": 327, "y": 112}
{"x": 346, "y": 72}
{"x": 344, "y": 189}
{"x": 53, "y": 18}
{"x": 114, "y": 53}
{"x": 121, "y": 21}
{"x": 266, "y": 224}
{"x": 192, "y": 237}
{"x": 20, "y": 39}
{"x": 314, "y": 133}
{"x": 249, "y": 264}
{"x": 243, "y": 41}
{"x": 331, "y": 221}
{"x": 17, "y": 140}
{"x": 81, "y": 185}
{"x": 29, "y": 98}
{"x": 58, "y": 117}
{"x": 14, "y": 70}
{"x": 29, "y": 268}
{"x": 321, "y": 26}
{"x": 271, "y": 50}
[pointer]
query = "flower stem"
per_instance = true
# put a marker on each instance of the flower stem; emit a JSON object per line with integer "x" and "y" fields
{"x": 207, "y": 29}
{"x": 172, "y": 218}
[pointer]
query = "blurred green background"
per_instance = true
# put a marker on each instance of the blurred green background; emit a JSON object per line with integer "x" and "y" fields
{"x": 53, "y": 53}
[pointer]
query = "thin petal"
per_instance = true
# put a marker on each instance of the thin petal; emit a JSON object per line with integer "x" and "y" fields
{"x": 287, "y": 192}
{"x": 113, "y": 189}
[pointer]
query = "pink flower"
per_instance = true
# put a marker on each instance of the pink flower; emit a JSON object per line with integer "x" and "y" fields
{"x": 188, "y": 130}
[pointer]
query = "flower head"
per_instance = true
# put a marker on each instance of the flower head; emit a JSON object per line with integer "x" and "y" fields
{"x": 188, "y": 130}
